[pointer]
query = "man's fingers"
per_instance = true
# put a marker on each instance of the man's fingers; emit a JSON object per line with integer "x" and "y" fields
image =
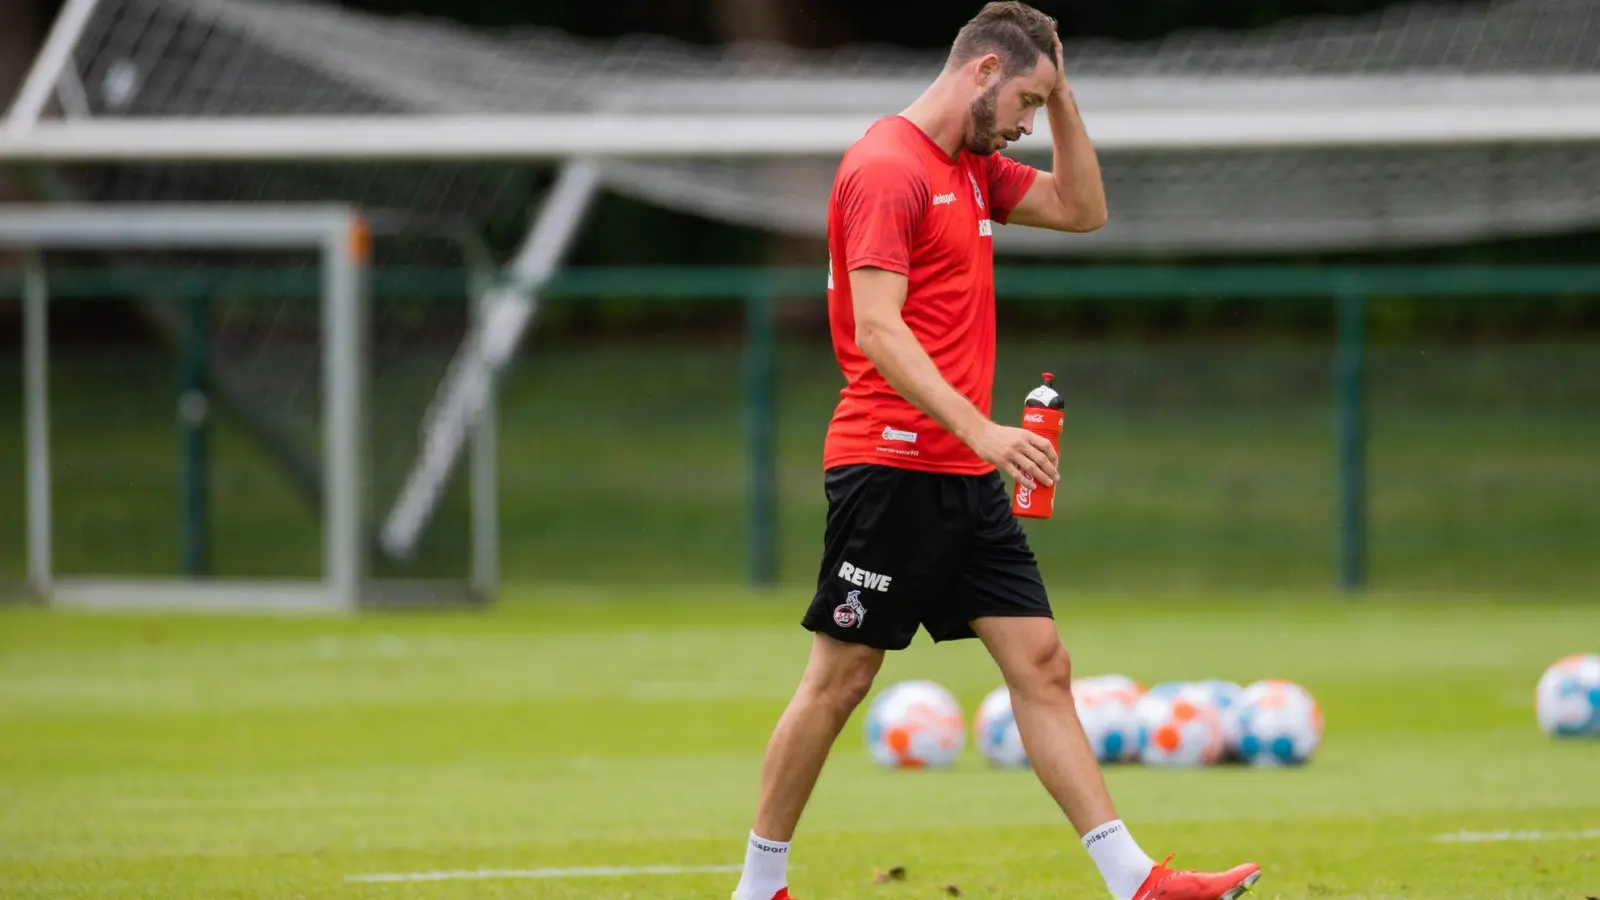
{"x": 1042, "y": 445}
{"x": 1020, "y": 476}
{"x": 1036, "y": 470}
{"x": 1043, "y": 457}
{"x": 1036, "y": 465}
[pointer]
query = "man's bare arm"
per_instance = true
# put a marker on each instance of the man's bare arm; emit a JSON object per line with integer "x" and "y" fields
{"x": 894, "y": 351}
{"x": 1071, "y": 197}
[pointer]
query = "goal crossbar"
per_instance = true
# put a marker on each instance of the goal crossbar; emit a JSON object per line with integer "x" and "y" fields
{"x": 340, "y": 236}
{"x": 555, "y": 136}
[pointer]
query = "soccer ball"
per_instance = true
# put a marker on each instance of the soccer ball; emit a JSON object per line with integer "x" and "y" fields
{"x": 1223, "y": 696}
{"x": 1222, "y": 693}
{"x": 995, "y": 731}
{"x": 1276, "y": 722}
{"x": 1106, "y": 710}
{"x": 1567, "y": 701}
{"x": 1179, "y": 727}
{"x": 1123, "y": 687}
{"x": 915, "y": 725}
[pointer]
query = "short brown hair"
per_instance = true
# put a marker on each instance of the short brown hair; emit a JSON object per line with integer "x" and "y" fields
{"x": 1013, "y": 31}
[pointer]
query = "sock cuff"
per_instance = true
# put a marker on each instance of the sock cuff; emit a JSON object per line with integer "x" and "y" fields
{"x": 1102, "y": 832}
{"x": 760, "y": 843}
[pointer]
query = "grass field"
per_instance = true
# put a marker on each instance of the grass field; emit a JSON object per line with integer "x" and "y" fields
{"x": 225, "y": 757}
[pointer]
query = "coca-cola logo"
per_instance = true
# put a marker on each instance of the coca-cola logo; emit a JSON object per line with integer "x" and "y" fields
{"x": 1024, "y": 498}
{"x": 1033, "y": 417}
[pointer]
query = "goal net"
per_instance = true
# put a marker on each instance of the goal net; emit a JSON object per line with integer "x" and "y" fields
{"x": 1421, "y": 125}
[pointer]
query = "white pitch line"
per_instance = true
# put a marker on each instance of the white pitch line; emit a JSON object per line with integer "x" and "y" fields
{"x": 1477, "y": 837}
{"x": 489, "y": 874}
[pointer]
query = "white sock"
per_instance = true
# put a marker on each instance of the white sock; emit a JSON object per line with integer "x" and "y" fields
{"x": 1122, "y": 864}
{"x": 766, "y": 869}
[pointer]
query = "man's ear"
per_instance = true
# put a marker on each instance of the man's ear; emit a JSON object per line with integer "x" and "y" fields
{"x": 987, "y": 70}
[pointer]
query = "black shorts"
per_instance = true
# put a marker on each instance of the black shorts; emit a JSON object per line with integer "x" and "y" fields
{"x": 907, "y": 548}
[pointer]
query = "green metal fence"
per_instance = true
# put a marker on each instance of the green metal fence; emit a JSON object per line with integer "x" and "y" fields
{"x": 1347, "y": 289}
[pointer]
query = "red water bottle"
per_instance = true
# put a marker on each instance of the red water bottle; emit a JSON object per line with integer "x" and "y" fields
{"x": 1043, "y": 413}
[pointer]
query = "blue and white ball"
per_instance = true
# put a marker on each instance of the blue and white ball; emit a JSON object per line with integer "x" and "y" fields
{"x": 994, "y": 729}
{"x": 915, "y": 725}
{"x": 1223, "y": 696}
{"x": 1106, "y": 711}
{"x": 1276, "y": 723}
{"x": 1220, "y": 692}
{"x": 1567, "y": 701}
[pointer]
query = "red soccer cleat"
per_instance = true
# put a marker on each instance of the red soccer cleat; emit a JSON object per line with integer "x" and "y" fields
{"x": 1165, "y": 884}
{"x": 782, "y": 894}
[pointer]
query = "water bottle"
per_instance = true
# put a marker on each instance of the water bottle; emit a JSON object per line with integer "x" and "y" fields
{"x": 1043, "y": 414}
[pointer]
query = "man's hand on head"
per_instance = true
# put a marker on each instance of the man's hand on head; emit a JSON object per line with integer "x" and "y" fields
{"x": 1061, "y": 67}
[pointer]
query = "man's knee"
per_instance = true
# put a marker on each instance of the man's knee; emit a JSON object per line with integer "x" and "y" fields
{"x": 854, "y": 685}
{"x": 841, "y": 674}
{"x": 1048, "y": 672}
{"x": 1036, "y": 663}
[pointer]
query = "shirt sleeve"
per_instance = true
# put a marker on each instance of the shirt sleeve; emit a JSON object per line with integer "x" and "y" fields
{"x": 882, "y": 201}
{"x": 1009, "y": 181}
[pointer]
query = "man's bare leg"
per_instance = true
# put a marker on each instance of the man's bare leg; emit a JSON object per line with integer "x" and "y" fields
{"x": 837, "y": 678}
{"x": 1038, "y": 673}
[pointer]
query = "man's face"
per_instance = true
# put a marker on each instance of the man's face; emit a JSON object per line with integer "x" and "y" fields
{"x": 1003, "y": 113}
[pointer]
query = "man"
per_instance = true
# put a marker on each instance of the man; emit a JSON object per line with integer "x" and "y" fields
{"x": 919, "y": 529}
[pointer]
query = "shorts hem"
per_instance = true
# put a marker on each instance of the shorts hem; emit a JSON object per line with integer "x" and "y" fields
{"x": 863, "y": 639}
{"x": 965, "y": 631}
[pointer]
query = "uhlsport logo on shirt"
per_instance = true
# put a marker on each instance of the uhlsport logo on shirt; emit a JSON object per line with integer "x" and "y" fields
{"x": 944, "y": 199}
{"x": 850, "y": 613}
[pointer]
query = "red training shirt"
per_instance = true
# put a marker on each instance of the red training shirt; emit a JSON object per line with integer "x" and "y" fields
{"x": 901, "y": 203}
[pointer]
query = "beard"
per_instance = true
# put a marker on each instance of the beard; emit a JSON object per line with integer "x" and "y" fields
{"x": 985, "y": 136}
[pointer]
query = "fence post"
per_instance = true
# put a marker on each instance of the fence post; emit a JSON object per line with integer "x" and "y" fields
{"x": 36, "y": 406}
{"x": 1352, "y": 438}
{"x": 193, "y": 414}
{"x": 760, "y": 385}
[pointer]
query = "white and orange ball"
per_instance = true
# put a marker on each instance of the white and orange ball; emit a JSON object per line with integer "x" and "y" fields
{"x": 915, "y": 725}
{"x": 1220, "y": 692}
{"x": 1276, "y": 723}
{"x": 1119, "y": 686}
{"x": 1223, "y": 696}
{"x": 1106, "y": 710}
{"x": 1178, "y": 728}
{"x": 1567, "y": 700}
{"x": 994, "y": 729}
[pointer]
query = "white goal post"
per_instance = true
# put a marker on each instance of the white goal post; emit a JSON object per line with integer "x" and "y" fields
{"x": 341, "y": 239}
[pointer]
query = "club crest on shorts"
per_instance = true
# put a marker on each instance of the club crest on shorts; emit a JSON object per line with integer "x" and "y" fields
{"x": 849, "y": 613}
